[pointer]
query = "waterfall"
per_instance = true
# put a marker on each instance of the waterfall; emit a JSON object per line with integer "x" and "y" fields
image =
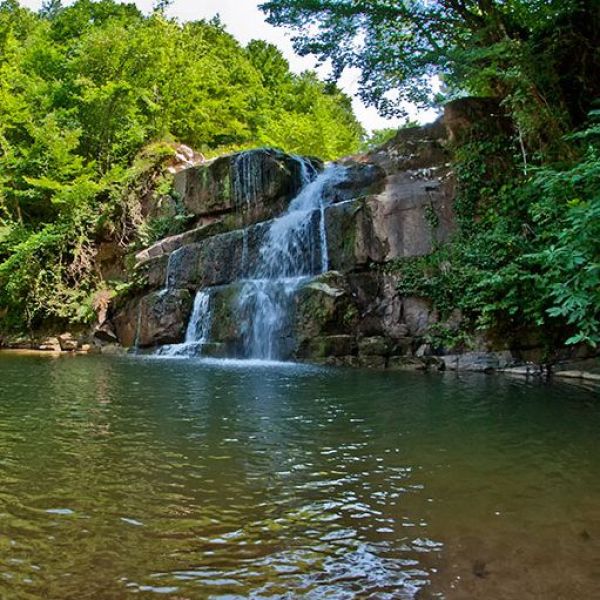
{"x": 138, "y": 328}
{"x": 198, "y": 329}
{"x": 168, "y": 273}
{"x": 294, "y": 249}
{"x": 246, "y": 180}
{"x": 244, "y": 268}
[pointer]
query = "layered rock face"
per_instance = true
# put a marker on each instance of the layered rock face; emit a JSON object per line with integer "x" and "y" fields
{"x": 333, "y": 302}
{"x": 251, "y": 186}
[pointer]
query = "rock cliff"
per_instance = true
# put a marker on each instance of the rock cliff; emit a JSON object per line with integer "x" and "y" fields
{"x": 395, "y": 202}
{"x": 290, "y": 259}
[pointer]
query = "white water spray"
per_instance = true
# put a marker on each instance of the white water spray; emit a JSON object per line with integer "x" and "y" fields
{"x": 294, "y": 249}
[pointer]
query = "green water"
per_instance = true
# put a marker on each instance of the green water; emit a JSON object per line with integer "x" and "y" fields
{"x": 174, "y": 479}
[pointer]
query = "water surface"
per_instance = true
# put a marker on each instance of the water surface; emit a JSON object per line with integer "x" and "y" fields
{"x": 180, "y": 479}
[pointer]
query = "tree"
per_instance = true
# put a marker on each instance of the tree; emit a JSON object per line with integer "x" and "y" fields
{"x": 50, "y": 9}
{"x": 515, "y": 50}
{"x": 91, "y": 91}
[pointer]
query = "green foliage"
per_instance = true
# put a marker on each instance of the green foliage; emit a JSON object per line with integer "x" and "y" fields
{"x": 48, "y": 274}
{"x": 378, "y": 137}
{"x": 570, "y": 256}
{"x": 92, "y": 97}
{"x": 528, "y": 251}
{"x": 539, "y": 57}
{"x": 449, "y": 339}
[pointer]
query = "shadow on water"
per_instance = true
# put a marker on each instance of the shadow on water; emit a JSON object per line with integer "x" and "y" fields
{"x": 200, "y": 479}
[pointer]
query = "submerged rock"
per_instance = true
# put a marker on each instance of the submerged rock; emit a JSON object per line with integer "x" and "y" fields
{"x": 480, "y": 568}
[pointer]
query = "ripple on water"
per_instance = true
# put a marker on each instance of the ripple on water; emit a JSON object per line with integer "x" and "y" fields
{"x": 209, "y": 479}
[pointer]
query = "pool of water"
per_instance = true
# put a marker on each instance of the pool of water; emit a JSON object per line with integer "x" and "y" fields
{"x": 182, "y": 480}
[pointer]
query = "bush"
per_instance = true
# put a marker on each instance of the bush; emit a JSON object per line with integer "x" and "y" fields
{"x": 528, "y": 251}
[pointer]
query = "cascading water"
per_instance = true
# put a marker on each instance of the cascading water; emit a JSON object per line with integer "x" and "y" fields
{"x": 246, "y": 180}
{"x": 294, "y": 249}
{"x": 245, "y": 250}
{"x": 198, "y": 329}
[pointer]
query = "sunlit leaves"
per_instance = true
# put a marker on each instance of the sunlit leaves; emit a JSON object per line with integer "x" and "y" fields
{"x": 86, "y": 88}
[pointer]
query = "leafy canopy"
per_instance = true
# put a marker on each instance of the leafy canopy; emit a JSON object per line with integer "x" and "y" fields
{"x": 540, "y": 56}
{"x": 84, "y": 89}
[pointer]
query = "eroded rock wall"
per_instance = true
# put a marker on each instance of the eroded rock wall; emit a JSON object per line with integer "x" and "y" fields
{"x": 253, "y": 186}
{"x": 392, "y": 203}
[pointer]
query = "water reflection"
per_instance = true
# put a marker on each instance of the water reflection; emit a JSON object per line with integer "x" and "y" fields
{"x": 189, "y": 480}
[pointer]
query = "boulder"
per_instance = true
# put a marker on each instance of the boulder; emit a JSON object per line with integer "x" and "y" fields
{"x": 105, "y": 333}
{"x": 418, "y": 315}
{"x": 324, "y": 306}
{"x": 67, "y": 342}
{"x": 352, "y": 240}
{"x": 529, "y": 370}
{"x": 372, "y": 362}
{"x": 423, "y": 350}
{"x": 341, "y": 227}
{"x": 153, "y": 271}
{"x": 412, "y": 214}
{"x": 414, "y": 148}
{"x": 225, "y": 318}
{"x": 588, "y": 369}
{"x": 16, "y": 342}
{"x": 478, "y": 361}
{"x": 406, "y": 363}
{"x": 124, "y": 322}
{"x": 218, "y": 260}
{"x": 373, "y": 346}
{"x": 414, "y": 211}
{"x": 361, "y": 179}
{"x": 49, "y": 344}
{"x": 163, "y": 317}
{"x": 156, "y": 319}
{"x": 213, "y": 262}
{"x": 256, "y": 184}
{"x": 403, "y": 346}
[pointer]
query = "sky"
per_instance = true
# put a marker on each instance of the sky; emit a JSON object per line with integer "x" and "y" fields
{"x": 244, "y": 20}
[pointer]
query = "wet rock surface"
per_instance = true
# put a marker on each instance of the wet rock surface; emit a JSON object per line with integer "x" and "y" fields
{"x": 362, "y": 179}
{"x": 393, "y": 203}
{"x": 256, "y": 184}
{"x": 478, "y": 361}
{"x": 156, "y": 319}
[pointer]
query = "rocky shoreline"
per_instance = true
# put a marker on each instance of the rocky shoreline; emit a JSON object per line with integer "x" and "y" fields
{"x": 577, "y": 371}
{"x": 387, "y": 205}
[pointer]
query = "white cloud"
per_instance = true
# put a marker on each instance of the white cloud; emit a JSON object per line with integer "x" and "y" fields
{"x": 246, "y": 22}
